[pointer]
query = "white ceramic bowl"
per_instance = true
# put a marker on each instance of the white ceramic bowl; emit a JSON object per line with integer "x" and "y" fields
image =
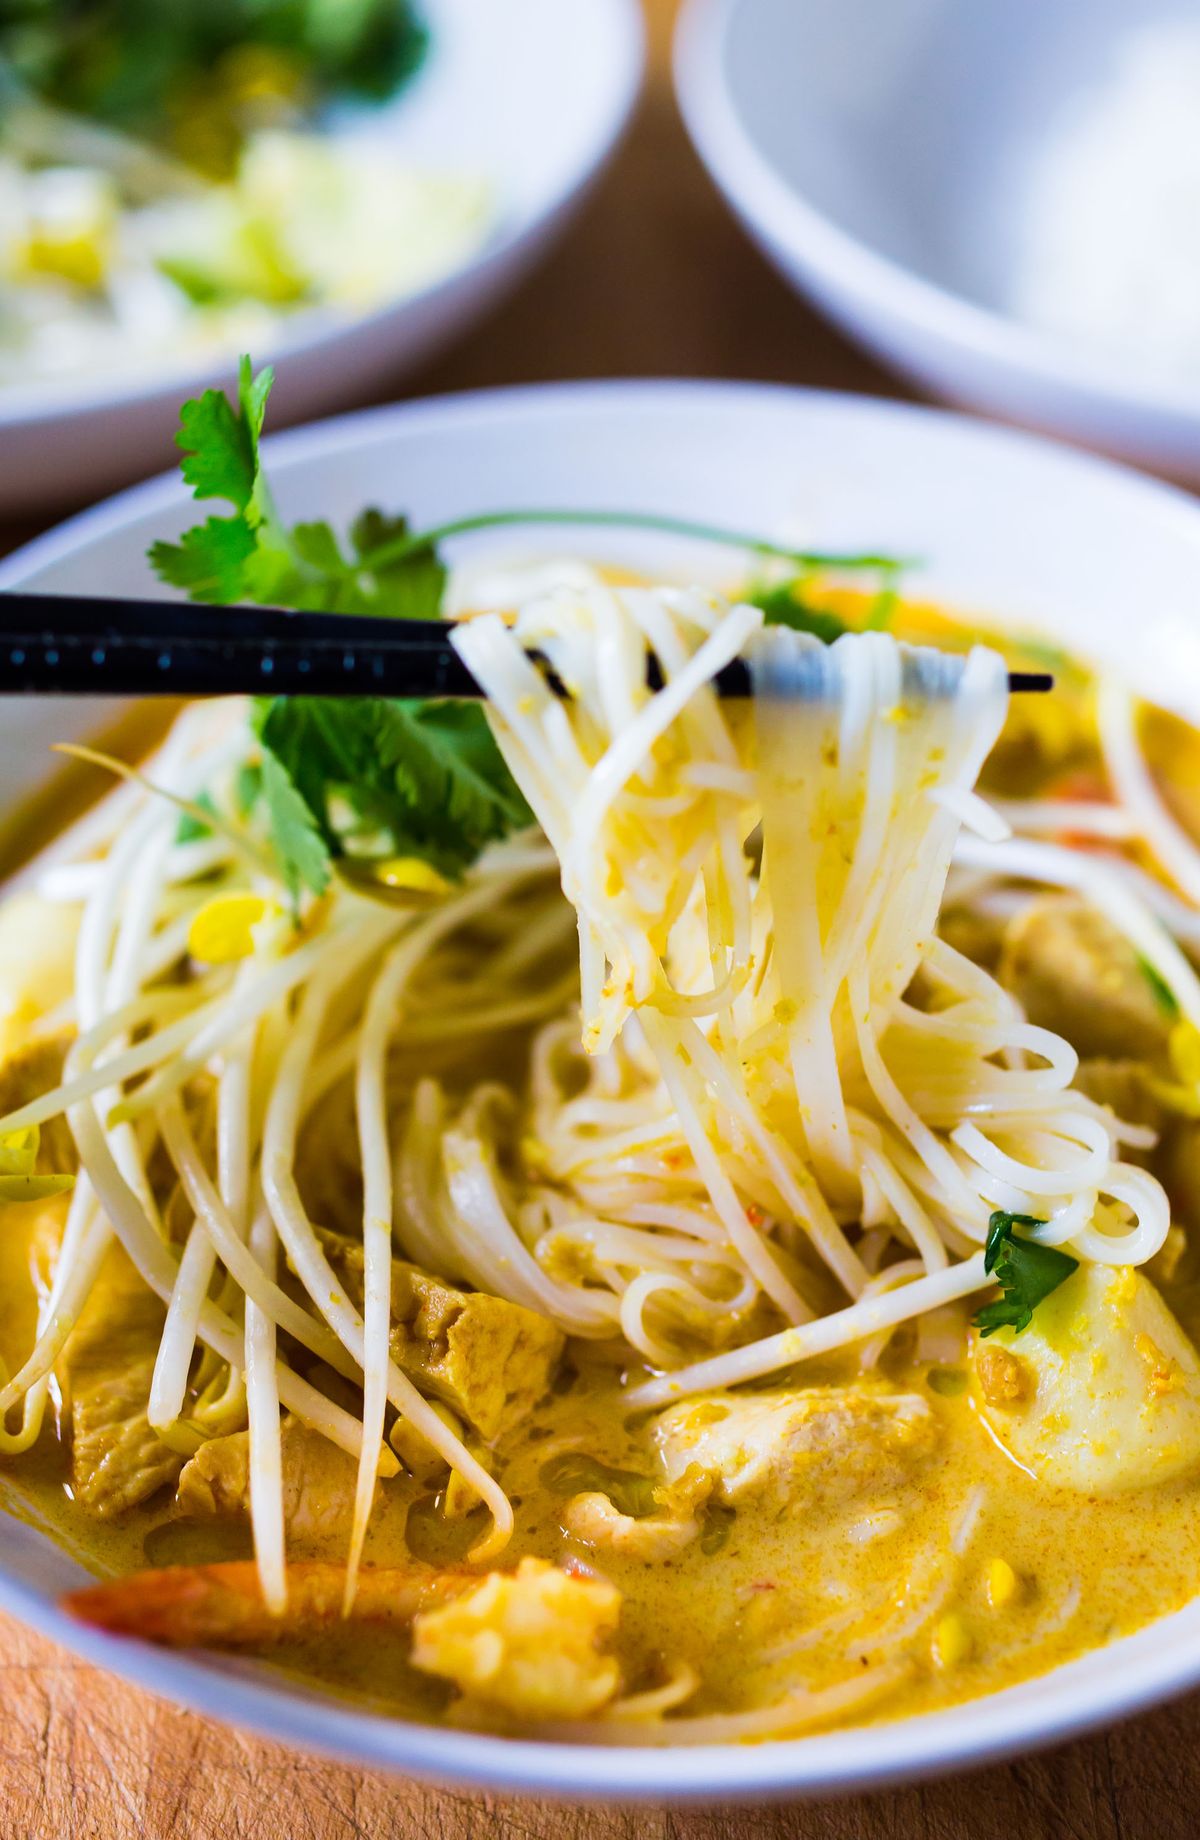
{"x": 1014, "y": 529}
{"x": 878, "y": 150}
{"x": 530, "y": 94}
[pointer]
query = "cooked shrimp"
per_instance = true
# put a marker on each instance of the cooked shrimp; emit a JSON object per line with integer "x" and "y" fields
{"x": 593, "y": 1519}
{"x": 221, "y": 1606}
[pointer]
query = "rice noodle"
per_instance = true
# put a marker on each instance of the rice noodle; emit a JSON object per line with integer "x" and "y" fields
{"x": 804, "y": 1709}
{"x": 790, "y": 1083}
{"x": 1116, "y": 720}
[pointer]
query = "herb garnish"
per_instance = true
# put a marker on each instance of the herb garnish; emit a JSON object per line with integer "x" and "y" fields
{"x": 573, "y": 1472}
{"x": 1163, "y": 995}
{"x": 784, "y": 603}
{"x": 425, "y": 778}
{"x": 1025, "y": 1270}
{"x": 253, "y": 556}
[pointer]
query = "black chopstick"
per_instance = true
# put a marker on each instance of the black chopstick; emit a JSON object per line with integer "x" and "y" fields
{"x": 88, "y": 645}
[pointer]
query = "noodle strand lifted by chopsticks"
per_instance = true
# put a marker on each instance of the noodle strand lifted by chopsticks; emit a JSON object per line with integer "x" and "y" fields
{"x": 789, "y": 1066}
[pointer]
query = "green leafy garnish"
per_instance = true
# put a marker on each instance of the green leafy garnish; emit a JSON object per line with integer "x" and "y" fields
{"x": 573, "y": 1472}
{"x": 664, "y": 523}
{"x": 361, "y": 776}
{"x": 1163, "y": 995}
{"x": 191, "y": 825}
{"x": 194, "y": 75}
{"x": 782, "y": 606}
{"x": 716, "y": 1526}
{"x": 300, "y": 850}
{"x": 389, "y": 569}
{"x": 252, "y": 555}
{"x": 1025, "y": 1270}
{"x": 365, "y": 776}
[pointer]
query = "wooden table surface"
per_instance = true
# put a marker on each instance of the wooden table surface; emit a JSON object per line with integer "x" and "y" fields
{"x": 653, "y": 279}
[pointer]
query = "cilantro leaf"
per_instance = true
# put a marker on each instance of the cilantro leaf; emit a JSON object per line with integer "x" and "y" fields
{"x": 296, "y": 839}
{"x": 220, "y": 445}
{"x": 220, "y": 460}
{"x": 1161, "y": 991}
{"x": 376, "y": 776}
{"x": 209, "y": 561}
{"x": 1025, "y": 1270}
{"x": 191, "y": 826}
{"x": 782, "y": 606}
{"x": 411, "y": 585}
{"x": 252, "y": 556}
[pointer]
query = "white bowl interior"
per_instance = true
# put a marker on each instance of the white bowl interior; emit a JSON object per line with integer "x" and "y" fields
{"x": 914, "y": 124}
{"x": 1009, "y": 528}
{"x": 884, "y": 154}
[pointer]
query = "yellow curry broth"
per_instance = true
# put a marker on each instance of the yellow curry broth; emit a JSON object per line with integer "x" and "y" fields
{"x": 791, "y": 1594}
{"x": 774, "y": 1594}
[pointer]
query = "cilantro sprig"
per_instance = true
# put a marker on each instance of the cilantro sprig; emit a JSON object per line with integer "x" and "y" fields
{"x": 1160, "y": 990}
{"x": 365, "y": 776}
{"x": 786, "y": 603}
{"x": 253, "y": 556}
{"x": 1025, "y": 1270}
{"x": 388, "y": 568}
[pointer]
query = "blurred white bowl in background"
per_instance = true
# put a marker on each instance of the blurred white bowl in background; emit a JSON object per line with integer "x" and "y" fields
{"x": 531, "y": 95}
{"x": 900, "y": 162}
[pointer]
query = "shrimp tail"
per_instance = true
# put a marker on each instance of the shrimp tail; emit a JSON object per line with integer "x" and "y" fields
{"x": 222, "y": 1606}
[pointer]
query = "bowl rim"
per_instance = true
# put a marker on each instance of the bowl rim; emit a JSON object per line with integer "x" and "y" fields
{"x": 816, "y": 242}
{"x": 511, "y": 240}
{"x": 901, "y": 1752}
{"x": 1140, "y": 1670}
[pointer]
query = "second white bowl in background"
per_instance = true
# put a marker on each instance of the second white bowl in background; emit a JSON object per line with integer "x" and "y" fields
{"x": 908, "y": 164}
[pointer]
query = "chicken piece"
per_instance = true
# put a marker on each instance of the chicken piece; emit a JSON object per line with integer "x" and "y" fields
{"x": 221, "y": 1606}
{"x": 490, "y": 1360}
{"x": 825, "y": 1444}
{"x": 1074, "y": 973}
{"x": 117, "y": 1460}
{"x": 527, "y": 1642}
{"x": 37, "y": 965}
{"x": 1110, "y": 1393}
{"x": 318, "y": 1481}
{"x": 1002, "y": 1377}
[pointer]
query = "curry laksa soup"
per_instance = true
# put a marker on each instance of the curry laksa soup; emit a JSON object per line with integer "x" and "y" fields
{"x": 628, "y": 1213}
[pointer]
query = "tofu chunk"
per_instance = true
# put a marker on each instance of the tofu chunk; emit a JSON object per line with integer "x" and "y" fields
{"x": 823, "y": 1444}
{"x": 1109, "y": 1386}
{"x": 318, "y": 1481}
{"x": 1074, "y": 973}
{"x": 527, "y": 1642}
{"x": 490, "y": 1360}
{"x": 117, "y": 1459}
